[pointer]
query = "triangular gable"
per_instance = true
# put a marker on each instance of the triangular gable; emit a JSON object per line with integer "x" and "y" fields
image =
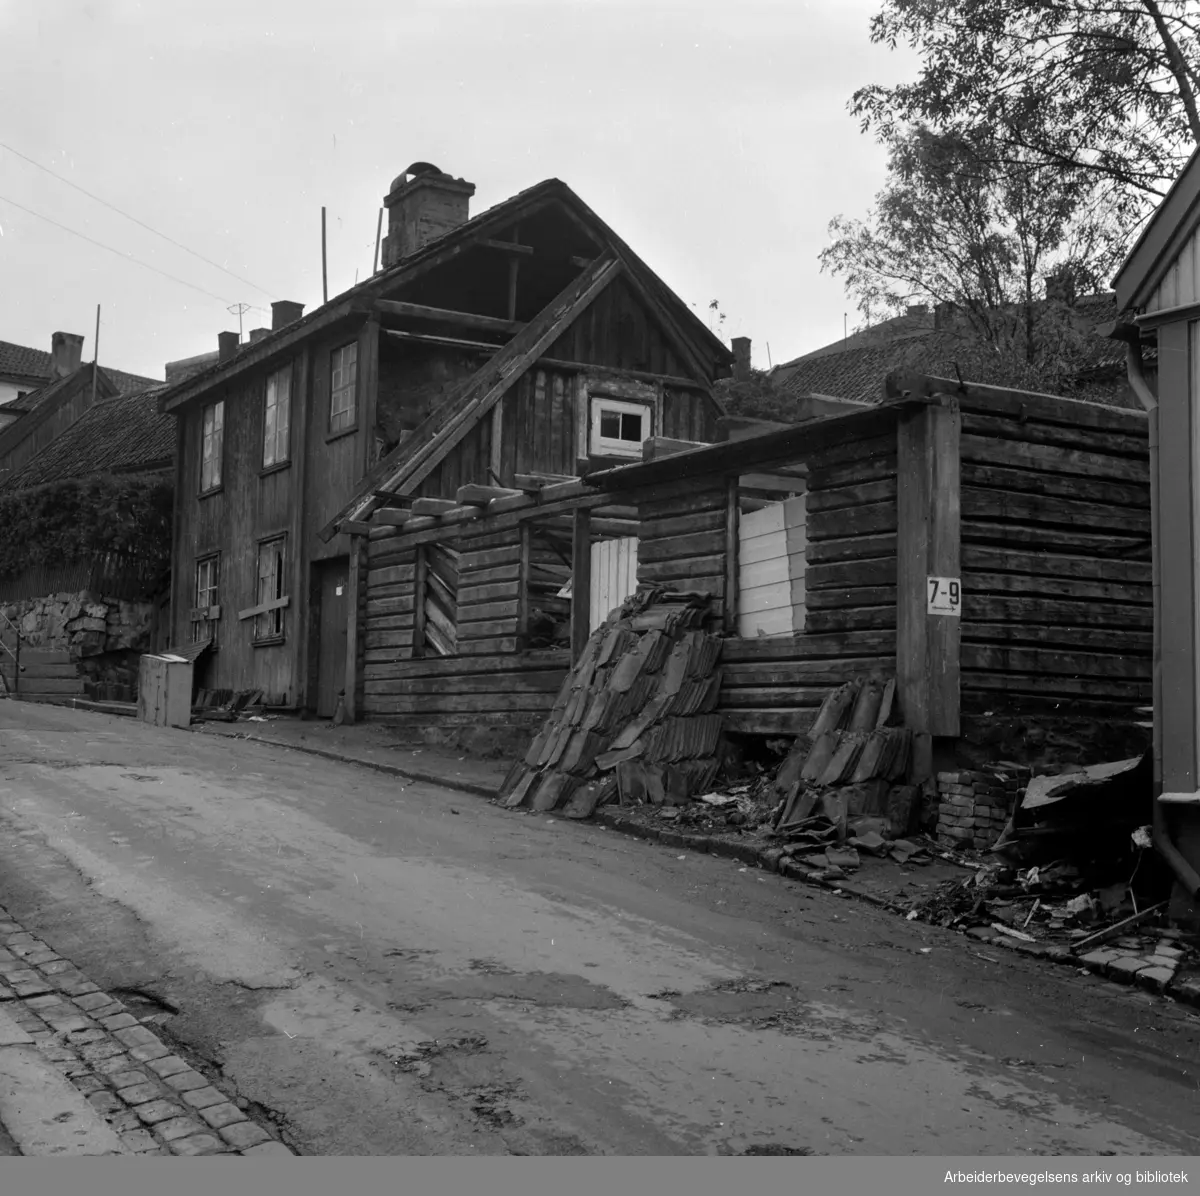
{"x": 1174, "y": 220}
{"x": 50, "y": 400}
{"x": 411, "y": 462}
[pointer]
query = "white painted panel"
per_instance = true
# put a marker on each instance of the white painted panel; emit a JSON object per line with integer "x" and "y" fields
{"x": 771, "y": 564}
{"x": 614, "y": 576}
{"x": 761, "y": 548}
{"x": 771, "y": 622}
{"x": 759, "y": 523}
{"x": 764, "y": 573}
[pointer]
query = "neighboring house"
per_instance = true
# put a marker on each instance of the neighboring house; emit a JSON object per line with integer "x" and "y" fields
{"x": 936, "y": 342}
{"x": 1158, "y": 293}
{"x": 24, "y": 371}
{"x": 506, "y": 350}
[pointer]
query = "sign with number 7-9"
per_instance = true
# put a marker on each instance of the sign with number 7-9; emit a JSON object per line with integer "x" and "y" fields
{"x": 945, "y": 596}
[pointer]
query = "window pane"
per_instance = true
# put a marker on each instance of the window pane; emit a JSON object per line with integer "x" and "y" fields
{"x": 631, "y": 427}
{"x": 610, "y": 425}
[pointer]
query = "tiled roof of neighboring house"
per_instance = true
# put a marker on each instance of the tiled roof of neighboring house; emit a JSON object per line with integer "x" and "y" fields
{"x": 21, "y": 361}
{"x": 855, "y": 369}
{"x": 120, "y": 435}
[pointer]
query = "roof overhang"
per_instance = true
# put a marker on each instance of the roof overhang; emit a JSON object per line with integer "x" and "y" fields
{"x": 1171, "y": 224}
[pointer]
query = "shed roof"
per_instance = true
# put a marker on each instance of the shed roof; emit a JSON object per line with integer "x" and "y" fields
{"x": 121, "y": 435}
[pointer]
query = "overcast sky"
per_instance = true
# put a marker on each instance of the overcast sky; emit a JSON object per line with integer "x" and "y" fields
{"x": 713, "y": 137}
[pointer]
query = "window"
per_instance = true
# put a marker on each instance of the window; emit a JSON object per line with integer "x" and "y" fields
{"x": 207, "y": 575}
{"x": 269, "y": 624}
{"x": 278, "y": 417}
{"x": 618, "y": 429}
{"x": 210, "y": 457}
{"x": 343, "y": 371}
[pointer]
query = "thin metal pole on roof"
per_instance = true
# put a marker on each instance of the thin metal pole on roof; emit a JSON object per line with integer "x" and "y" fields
{"x": 95, "y": 354}
{"x": 324, "y": 270}
{"x": 378, "y": 234}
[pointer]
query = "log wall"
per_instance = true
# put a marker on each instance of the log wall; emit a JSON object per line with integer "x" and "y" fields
{"x": 1057, "y": 610}
{"x": 681, "y": 538}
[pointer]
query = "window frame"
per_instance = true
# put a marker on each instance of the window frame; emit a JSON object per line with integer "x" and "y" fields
{"x": 206, "y": 597}
{"x": 345, "y": 418}
{"x": 212, "y": 464}
{"x": 270, "y": 627}
{"x": 606, "y": 446}
{"x": 279, "y": 387}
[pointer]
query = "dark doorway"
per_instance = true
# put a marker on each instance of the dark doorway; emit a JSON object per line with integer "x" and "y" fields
{"x": 333, "y": 608}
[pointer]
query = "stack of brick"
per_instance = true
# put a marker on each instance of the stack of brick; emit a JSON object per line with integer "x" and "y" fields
{"x": 974, "y": 806}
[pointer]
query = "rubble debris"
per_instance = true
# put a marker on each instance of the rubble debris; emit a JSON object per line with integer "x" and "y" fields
{"x": 635, "y": 719}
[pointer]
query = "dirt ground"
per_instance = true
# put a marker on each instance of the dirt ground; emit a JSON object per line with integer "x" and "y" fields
{"x": 397, "y": 968}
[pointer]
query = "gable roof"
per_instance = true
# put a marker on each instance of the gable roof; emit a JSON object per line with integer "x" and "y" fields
{"x": 50, "y": 400}
{"x": 358, "y": 299}
{"x": 121, "y": 435}
{"x": 856, "y": 369}
{"x": 1152, "y": 254}
{"x": 35, "y": 364}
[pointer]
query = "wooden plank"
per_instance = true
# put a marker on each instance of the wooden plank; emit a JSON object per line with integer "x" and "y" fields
{"x": 1053, "y": 611}
{"x": 502, "y": 590}
{"x": 353, "y": 630}
{"x": 1043, "y": 482}
{"x": 697, "y": 544}
{"x": 1073, "y": 588}
{"x": 488, "y": 610}
{"x": 851, "y": 619}
{"x": 380, "y": 607}
{"x": 674, "y": 571}
{"x": 547, "y": 682}
{"x": 391, "y": 517}
{"x": 825, "y": 476}
{"x": 651, "y": 530}
{"x": 777, "y": 697}
{"x": 434, "y": 507}
{"x": 1069, "y": 664}
{"x": 1130, "y": 642}
{"x": 987, "y": 559}
{"x": 1114, "y": 689}
{"x": 581, "y": 583}
{"x": 1041, "y": 538}
{"x": 943, "y": 648}
{"x": 731, "y": 550}
{"x": 474, "y": 494}
{"x": 353, "y": 527}
{"x": 841, "y": 598}
{"x": 870, "y": 547}
{"x": 880, "y": 571}
{"x": 488, "y": 558}
{"x": 390, "y": 575}
{"x": 1113, "y": 443}
{"x": 486, "y": 629}
{"x": 539, "y": 661}
{"x": 263, "y": 607}
{"x": 1027, "y": 508}
{"x": 442, "y": 315}
{"x": 767, "y": 722}
{"x": 434, "y": 704}
{"x": 420, "y": 603}
{"x": 811, "y": 647}
{"x": 852, "y": 521}
{"x": 1047, "y": 458}
{"x": 802, "y": 672}
{"x": 856, "y": 495}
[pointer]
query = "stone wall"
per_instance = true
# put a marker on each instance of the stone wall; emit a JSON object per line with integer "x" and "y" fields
{"x": 104, "y": 636}
{"x": 975, "y": 805}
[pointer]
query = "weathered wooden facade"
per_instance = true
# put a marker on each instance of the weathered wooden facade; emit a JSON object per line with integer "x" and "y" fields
{"x": 521, "y": 342}
{"x": 1158, "y": 293}
{"x": 989, "y": 547}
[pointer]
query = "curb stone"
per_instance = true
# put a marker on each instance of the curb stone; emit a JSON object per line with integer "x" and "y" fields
{"x": 54, "y": 1055}
{"x": 1186, "y": 992}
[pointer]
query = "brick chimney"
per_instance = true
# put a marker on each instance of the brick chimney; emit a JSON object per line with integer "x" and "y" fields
{"x": 66, "y": 351}
{"x": 256, "y": 334}
{"x": 741, "y": 358}
{"x": 423, "y": 204}
{"x": 284, "y": 312}
{"x": 227, "y": 346}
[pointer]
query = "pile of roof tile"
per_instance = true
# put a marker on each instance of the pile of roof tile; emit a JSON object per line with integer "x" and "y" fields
{"x": 635, "y": 717}
{"x": 846, "y": 766}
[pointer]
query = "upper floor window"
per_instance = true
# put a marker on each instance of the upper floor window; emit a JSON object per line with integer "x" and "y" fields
{"x": 618, "y": 428}
{"x": 343, "y": 373}
{"x": 278, "y": 417}
{"x": 212, "y": 443}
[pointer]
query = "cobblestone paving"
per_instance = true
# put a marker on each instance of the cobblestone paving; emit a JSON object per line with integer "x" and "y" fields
{"x": 156, "y": 1102}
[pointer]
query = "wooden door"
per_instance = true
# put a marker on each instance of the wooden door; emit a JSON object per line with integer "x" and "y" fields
{"x": 614, "y": 576}
{"x": 333, "y": 616}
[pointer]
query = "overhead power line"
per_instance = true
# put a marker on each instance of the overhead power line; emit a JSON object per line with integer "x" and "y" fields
{"x": 125, "y": 256}
{"x": 140, "y": 223}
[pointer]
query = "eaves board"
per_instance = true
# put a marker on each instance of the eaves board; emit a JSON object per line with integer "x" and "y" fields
{"x": 1171, "y": 224}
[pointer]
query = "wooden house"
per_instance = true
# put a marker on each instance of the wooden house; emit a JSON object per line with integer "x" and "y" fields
{"x": 1158, "y": 292}
{"x": 495, "y": 351}
{"x": 991, "y": 548}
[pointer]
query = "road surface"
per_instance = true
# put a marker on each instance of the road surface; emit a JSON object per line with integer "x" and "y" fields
{"x": 390, "y": 968}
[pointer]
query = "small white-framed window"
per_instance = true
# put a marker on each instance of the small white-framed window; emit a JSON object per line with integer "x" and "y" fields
{"x": 278, "y": 417}
{"x": 269, "y": 624}
{"x": 618, "y": 428}
{"x": 213, "y": 428}
{"x": 343, "y": 375}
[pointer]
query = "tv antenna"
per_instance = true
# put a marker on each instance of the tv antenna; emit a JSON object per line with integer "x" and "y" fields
{"x": 239, "y": 310}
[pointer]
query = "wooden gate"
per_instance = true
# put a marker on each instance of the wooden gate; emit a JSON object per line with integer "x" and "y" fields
{"x": 614, "y": 576}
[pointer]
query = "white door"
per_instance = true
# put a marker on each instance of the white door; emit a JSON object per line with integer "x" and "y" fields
{"x": 614, "y": 576}
{"x": 771, "y": 552}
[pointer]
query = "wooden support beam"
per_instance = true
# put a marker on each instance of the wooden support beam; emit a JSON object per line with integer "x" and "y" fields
{"x": 444, "y": 315}
{"x": 390, "y": 517}
{"x": 263, "y": 607}
{"x": 581, "y": 263}
{"x": 510, "y": 247}
{"x": 581, "y": 583}
{"x": 349, "y": 706}
{"x": 432, "y": 506}
{"x": 388, "y": 499}
{"x": 539, "y": 481}
{"x": 733, "y": 514}
{"x": 354, "y": 527}
{"x": 473, "y": 494}
{"x": 428, "y": 338}
{"x": 928, "y": 546}
{"x": 420, "y": 585}
{"x": 514, "y": 269}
